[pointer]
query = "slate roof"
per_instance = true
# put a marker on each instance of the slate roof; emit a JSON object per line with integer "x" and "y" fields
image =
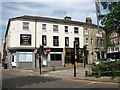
{"x": 51, "y": 20}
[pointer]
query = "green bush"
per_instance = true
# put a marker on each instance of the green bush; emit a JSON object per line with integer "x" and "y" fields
{"x": 107, "y": 69}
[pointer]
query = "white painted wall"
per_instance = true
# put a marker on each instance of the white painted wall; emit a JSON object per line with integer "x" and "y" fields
{"x": 49, "y": 32}
{"x": 15, "y": 30}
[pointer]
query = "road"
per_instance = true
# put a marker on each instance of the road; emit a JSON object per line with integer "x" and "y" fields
{"x": 26, "y": 79}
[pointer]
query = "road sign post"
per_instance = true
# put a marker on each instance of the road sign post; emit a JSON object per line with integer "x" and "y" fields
{"x": 40, "y": 64}
{"x": 74, "y": 58}
{"x": 40, "y": 52}
{"x": 35, "y": 53}
{"x": 85, "y": 57}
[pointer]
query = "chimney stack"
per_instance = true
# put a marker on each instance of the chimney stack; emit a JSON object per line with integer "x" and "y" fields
{"x": 67, "y": 18}
{"x": 88, "y": 20}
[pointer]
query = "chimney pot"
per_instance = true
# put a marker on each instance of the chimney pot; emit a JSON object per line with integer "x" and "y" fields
{"x": 89, "y": 20}
{"x": 67, "y": 18}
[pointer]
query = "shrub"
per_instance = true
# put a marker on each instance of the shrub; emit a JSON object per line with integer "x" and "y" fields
{"x": 107, "y": 69}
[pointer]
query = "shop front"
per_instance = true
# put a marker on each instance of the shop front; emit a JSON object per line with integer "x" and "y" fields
{"x": 69, "y": 57}
{"x": 20, "y": 58}
{"x": 54, "y": 57}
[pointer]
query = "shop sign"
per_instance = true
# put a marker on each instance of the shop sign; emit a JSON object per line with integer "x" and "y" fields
{"x": 25, "y": 39}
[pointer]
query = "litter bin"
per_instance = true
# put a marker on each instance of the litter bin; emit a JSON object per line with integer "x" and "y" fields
{"x": 5, "y": 66}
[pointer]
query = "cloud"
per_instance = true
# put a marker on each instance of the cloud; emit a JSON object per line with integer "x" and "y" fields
{"x": 76, "y": 9}
{"x": 48, "y": 1}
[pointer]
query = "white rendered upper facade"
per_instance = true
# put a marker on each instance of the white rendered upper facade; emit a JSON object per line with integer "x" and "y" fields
{"x": 36, "y": 30}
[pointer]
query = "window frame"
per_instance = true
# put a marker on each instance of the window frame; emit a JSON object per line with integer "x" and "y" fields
{"x": 66, "y": 38}
{"x": 86, "y": 41}
{"x": 25, "y": 25}
{"x": 44, "y": 27}
{"x": 76, "y": 30}
{"x": 44, "y": 43}
{"x": 56, "y": 41}
{"x": 23, "y": 57}
{"x": 54, "y": 57}
{"x": 55, "y": 28}
{"x": 66, "y": 29}
{"x": 77, "y": 39}
{"x": 91, "y": 41}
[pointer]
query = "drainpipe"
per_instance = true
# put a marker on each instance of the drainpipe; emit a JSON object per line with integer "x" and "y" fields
{"x": 35, "y": 40}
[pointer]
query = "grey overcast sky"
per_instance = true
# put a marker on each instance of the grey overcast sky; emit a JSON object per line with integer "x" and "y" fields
{"x": 77, "y": 9}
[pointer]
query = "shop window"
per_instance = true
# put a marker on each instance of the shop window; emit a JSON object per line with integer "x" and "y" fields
{"x": 56, "y": 57}
{"x": 25, "y": 57}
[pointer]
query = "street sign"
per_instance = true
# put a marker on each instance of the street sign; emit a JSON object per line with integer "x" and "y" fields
{"x": 35, "y": 51}
{"x": 48, "y": 49}
{"x": 99, "y": 35}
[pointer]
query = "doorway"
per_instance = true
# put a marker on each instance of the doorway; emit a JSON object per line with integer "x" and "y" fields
{"x": 13, "y": 60}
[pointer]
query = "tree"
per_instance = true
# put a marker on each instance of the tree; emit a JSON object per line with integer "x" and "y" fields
{"x": 111, "y": 20}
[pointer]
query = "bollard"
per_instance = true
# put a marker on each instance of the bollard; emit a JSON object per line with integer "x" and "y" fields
{"x": 53, "y": 68}
{"x": 86, "y": 73}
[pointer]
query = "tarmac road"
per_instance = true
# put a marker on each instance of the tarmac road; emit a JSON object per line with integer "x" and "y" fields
{"x": 14, "y": 78}
{"x": 73, "y": 84}
{"x": 26, "y": 80}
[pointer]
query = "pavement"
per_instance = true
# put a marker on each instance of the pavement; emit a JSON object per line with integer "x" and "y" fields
{"x": 0, "y": 76}
{"x": 66, "y": 73}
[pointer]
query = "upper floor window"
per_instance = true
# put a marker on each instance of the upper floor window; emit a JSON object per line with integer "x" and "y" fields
{"x": 44, "y": 40}
{"x": 55, "y": 28}
{"x": 66, "y": 41}
{"x": 66, "y": 28}
{"x": 116, "y": 48}
{"x": 112, "y": 48}
{"x": 86, "y": 40}
{"x": 55, "y": 41}
{"x": 86, "y": 31}
{"x": 25, "y": 25}
{"x": 91, "y": 41}
{"x": 44, "y": 27}
{"x": 76, "y": 30}
{"x": 77, "y": 40}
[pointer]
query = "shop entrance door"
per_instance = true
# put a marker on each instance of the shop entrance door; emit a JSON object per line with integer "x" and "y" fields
{"x": 13, "y": 60}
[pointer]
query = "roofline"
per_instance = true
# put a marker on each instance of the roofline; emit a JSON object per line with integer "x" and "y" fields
{"x": 47, "y": 19}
